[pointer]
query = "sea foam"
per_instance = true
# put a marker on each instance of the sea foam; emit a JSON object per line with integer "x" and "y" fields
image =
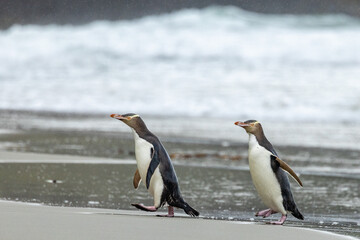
{"x": 218, "y": 61}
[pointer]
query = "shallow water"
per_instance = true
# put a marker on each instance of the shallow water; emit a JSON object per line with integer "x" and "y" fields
{"x": 343, "y": 137}
{"x": 218, "y": 193}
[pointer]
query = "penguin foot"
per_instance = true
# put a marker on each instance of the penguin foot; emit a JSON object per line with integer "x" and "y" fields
{"x": 264, "y": 213}
{"x": 170, "y": 212}
{"x": 144, "y": 208}
{"x": 269, "y": 213}
{"x": 280, "y": 222}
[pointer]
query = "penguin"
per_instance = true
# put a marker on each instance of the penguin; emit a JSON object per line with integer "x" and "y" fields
{"x": 154, "y": 167}
{"x": 268, "y": 173}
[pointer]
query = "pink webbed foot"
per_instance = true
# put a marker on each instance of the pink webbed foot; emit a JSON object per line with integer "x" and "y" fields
{"x": 269, "y": 213}
{"x": 144, "y": 208}
{"x": 280, "y": 222}
{"x": 170, "y": 212}
{"x": 265, "y": 213}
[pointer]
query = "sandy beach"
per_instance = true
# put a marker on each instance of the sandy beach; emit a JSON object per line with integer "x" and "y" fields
{"x": 35, "y": 221}
{"x": 38, "y": 221}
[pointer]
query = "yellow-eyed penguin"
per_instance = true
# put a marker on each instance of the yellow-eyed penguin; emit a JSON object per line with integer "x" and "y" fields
{"x": 268, "y": 175}
{"x": 155, "y": 167}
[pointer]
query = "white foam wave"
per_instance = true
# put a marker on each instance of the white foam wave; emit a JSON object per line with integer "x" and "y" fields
{"x": 211, "y": 62}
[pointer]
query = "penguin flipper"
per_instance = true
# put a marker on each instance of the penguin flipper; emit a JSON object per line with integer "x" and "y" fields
{"x": 137, "y": 179}
{"x": 155, "y": 161}
{"x": 288, "y": 169}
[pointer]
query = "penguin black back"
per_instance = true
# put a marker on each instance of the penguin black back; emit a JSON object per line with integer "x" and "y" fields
{"x": 288, "y": 199}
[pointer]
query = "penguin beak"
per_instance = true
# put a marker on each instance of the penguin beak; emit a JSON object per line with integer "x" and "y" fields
{"x": 242, "y": 124}
{"x": 118, "y": 117}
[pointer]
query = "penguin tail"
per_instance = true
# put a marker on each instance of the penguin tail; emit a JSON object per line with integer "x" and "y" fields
{"x": 175, "y": 200}
{"x": 189, "y": 210}
{"x": 296, "y": 213}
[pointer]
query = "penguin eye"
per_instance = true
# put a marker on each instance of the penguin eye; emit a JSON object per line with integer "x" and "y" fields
{"x": 128, "y": 118}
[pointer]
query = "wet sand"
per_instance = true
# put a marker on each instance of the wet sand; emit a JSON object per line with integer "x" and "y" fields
{"x": 224, "y": 194}
{"x": 42, "y": 222}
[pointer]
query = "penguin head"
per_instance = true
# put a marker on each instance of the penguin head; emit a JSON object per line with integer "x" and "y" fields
{"x": 131, "y": 119}
{"x": 250, "y": 126}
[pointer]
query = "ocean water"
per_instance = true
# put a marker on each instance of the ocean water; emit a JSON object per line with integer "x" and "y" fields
{"x": 215, "y": 62}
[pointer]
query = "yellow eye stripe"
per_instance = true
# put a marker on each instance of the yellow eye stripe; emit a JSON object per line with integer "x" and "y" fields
{"x": 254, "y": 123}
{"x": 131, "y": 117}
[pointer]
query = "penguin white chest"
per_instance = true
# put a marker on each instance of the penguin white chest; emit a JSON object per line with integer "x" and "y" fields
{"x": 143, "y": 159}
{"x": 263, "y": 177}
{"x": 143, "y": 155}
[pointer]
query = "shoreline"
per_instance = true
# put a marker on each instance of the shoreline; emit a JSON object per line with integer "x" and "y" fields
{"x": 19, "y": 163}
{"x": 188, "y": 140}
{"x": 37, "y": 221}
{"x": 182, "y": 129}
